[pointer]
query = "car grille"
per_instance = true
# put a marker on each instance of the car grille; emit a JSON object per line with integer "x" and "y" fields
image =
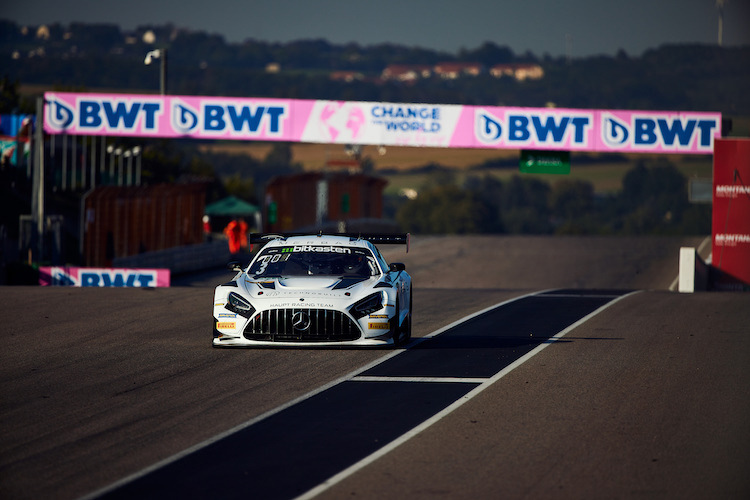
{"x": 291, "y": 325}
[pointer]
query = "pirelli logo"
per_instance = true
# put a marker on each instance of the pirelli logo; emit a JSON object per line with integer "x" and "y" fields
{"x": 226, "y": 324}
{"x": 378, "y": 326}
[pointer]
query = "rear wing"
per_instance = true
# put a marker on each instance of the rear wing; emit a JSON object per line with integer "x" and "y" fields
{"x": 374, "y": 238}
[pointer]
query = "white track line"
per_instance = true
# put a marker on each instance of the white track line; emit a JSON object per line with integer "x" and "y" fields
{"x": 579, "y": 295}
{"x": 304, "y": 397}
{"x": 263, "y": 416}
{"x": 450, "y": 380}
{"x": 437, "y": 417}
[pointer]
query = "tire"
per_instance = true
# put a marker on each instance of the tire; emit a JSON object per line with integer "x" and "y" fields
{"x": 402, "y": 335}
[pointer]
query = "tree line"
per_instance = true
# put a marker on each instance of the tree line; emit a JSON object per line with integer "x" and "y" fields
{"x": 84, "y": 56}
{"x": 653, "y": 200}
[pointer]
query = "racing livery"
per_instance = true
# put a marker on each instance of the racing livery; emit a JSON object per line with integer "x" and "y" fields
{"x": 322, "y": 290}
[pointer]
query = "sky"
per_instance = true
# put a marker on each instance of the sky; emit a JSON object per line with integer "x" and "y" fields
{"x": 575, "y": 28}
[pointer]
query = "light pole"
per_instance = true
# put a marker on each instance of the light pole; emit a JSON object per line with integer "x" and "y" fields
{"x": 129, "y": 155}
{"x": 160, "y": 54}
{"x": 111, "y": 151}
{"x": 118, "y": 153}
{"x": 137, "y": 154}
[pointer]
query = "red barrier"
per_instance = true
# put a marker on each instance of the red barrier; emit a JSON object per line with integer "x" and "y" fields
{"x": 731, "y": 214}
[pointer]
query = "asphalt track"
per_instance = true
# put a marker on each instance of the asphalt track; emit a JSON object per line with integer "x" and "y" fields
{"x": 648, "y": 397}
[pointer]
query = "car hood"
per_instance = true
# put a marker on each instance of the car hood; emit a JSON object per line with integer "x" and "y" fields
{"x": 313, "y": 286}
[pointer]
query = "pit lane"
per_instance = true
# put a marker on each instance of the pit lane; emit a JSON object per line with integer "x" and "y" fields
{"x": 648, "y": 398}
{"x": 323, "y": 434}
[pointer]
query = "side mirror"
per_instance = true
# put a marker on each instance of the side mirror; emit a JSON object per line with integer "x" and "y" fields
{"x": 234, "y": 266}
{"x": 397, "y": 266}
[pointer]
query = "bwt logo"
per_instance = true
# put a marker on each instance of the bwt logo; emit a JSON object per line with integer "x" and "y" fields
{"x": 242, "y": 121}
{"x": 59, "y": 115}
{"x": 532, "y": 128}
{"x": 111, "y": 115}
{"x": 143, "y": 115}
{"x": 649, "y": 132}
{"x": 118, "y": 278}
{"x": 183, "y": 117}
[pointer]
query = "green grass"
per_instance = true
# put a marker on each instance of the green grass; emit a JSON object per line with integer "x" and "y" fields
{"x": 606, "y": 177}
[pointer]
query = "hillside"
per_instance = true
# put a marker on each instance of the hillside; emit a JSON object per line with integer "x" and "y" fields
{"x": 103, "y": 57}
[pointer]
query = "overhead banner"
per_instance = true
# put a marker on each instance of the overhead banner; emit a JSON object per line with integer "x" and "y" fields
{"x": 377, "y": 123}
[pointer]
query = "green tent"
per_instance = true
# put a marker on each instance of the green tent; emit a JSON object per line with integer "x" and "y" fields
{"x": 232, "y": 207}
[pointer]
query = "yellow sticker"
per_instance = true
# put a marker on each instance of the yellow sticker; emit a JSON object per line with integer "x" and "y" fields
{"x": 226, "y": 324}
{"x": 378, "y": 326}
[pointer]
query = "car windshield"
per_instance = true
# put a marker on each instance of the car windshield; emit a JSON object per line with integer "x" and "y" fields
{"x": 314, "y": 260}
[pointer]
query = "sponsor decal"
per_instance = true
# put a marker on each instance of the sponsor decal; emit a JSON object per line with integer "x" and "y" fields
{"x": 729, "y": 191}
{"x": 92, "y": 113}
{"x": 166, "y": 116}
{"x": 227, "y": 315}
{"x": 307, "y": 305}
{"x": 379, "y": 326}
{"x": 533, "y": 128}
{"x": 648, "y": 131}
{"x": 378, "y": 316}
{"x": 406, "y": 118}
{"x": 242, "y": 120}
{"x": 731, "y": 240}
{"x": 230, "y": 325}
{"x": 320, "y": 249}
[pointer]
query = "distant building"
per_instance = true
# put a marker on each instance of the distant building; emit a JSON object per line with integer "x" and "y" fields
{"x": 521, "y": 71}
{"x": 454, "y": 70}
{"x": 347, "y": 76}
{"x": 406, "y": 73}
{"x": 315, "y": 199}
{"x": 42, "y": 32}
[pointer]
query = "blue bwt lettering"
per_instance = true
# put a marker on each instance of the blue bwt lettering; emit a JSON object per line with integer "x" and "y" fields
{"x": 650, "y": 132}
{"x": 519, "y": 130}
{"x": 240, "y": 118}
{"x": 95, "y": 114}
{"x": 116, "y": 279}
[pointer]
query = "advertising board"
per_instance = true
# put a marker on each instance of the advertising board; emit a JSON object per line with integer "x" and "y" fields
{"x": 731, "y": 214}
{"x": 103, "y": 277}
{"x": 380, "y": 124}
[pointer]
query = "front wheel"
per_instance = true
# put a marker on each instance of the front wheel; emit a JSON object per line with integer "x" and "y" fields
{"x": 402, "y": 335}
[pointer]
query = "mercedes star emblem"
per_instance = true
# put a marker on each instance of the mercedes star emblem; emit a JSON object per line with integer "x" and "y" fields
{"x": 301, "y": 321}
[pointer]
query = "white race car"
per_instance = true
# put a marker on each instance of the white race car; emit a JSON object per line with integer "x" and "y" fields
{"x": 322, "y": 290}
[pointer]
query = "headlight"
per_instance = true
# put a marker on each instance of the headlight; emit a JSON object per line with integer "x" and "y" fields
{"x": 237, "y": 304}
{"x": 368, "y": 305}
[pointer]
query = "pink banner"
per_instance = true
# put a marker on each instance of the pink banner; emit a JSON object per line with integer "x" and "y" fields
{"x": 103, "y": 277}
{"x": 386, "y": 124}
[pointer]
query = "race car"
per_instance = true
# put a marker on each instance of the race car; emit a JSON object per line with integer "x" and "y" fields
{"x": 316, "y": 290}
